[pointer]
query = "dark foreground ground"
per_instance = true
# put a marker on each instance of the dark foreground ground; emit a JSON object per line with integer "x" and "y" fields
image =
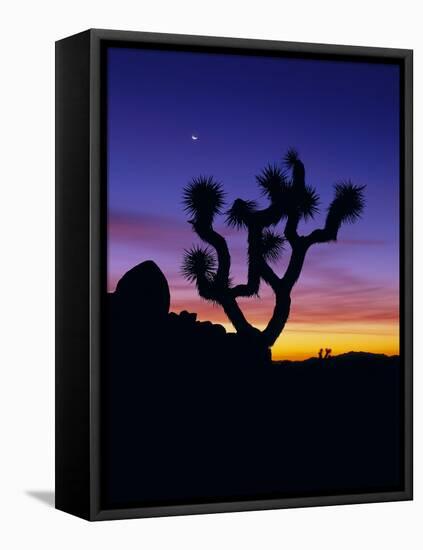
{"x": 192, "y": 414}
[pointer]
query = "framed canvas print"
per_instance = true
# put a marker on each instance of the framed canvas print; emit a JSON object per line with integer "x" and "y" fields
{"x": 234, "y": 274}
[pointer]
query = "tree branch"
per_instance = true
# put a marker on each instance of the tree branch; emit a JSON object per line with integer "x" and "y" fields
{"x": 253, "y": 279}
{"x": 271, "y": 215}
{"x": 279, "y": 318}
{"x": 219, "y": 290}
{"x": 346, "y": 207}
{"x": 269, "y": 276}
{"x": 218, "y": 242}
{"x": 295, "y": 265}
{"x": 291, "y": 228}
{"x": 205, "y": 288}
{"x": 319, "y": 236}
{"x": 235, "y": 315}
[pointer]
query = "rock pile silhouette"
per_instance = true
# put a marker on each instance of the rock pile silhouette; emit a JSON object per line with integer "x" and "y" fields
{"x": 141, "y": 304}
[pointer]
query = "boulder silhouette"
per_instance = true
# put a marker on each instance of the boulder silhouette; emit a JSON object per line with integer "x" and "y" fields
{"x": 143, "y": 293}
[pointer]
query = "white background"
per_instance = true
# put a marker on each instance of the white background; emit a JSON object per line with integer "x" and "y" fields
{"x": 28, "y": 32}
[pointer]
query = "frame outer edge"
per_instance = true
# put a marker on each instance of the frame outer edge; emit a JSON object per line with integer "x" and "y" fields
{"x": 95, "y": 274}
{"x": 98, "y": 35}
{"x": 408, "y": 268}
{"x": 72, "y": 258}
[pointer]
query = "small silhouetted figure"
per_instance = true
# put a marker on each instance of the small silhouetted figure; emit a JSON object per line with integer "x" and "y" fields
{"x": 328, "y": 352}
{"x": 321, "y": 353}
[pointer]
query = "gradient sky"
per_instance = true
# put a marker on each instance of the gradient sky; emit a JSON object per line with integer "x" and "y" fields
{"x": 342, "y": 117}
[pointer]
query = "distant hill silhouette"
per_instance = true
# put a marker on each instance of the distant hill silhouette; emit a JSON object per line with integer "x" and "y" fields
{"x": 360, "y": 358}
{"x": 191, "y": 411}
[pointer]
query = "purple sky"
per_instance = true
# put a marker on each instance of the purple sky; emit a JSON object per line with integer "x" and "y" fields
{"x": 342, "y": 117}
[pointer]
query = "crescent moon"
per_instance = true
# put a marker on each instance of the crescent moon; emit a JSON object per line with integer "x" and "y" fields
{"x": 194, "y": 138}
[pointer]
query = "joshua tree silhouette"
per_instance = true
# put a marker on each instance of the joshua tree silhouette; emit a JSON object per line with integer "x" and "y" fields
{"x": 290, "y": 200}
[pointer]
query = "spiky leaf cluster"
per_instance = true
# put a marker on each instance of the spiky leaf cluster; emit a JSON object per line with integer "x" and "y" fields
{"x": 291, "y": 158}
{"x": 198, "y": 263}
{"x": 273, "y": 181}
{"x": 292, "y": 161}
{"x": 308, "y": 202}
{"x": 348, "y": 204}
{"x": 203, "y": 198}
{"x": 239, "y": 213}
{"x": 272, "y": 245}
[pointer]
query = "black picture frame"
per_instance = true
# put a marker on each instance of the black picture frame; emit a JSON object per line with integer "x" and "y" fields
{"x": 81, "y": 269}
